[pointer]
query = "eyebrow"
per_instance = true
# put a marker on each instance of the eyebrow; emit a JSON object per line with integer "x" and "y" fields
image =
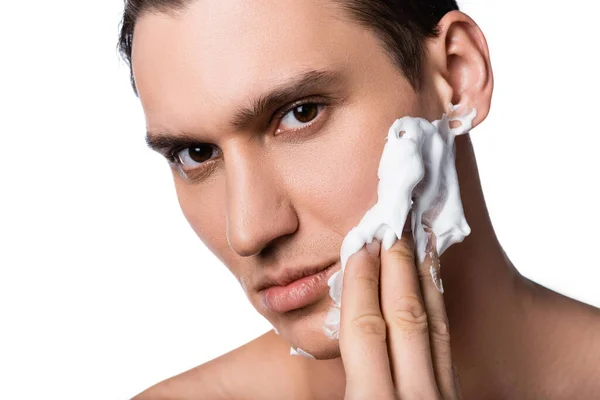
{"x": 303, "y": 84}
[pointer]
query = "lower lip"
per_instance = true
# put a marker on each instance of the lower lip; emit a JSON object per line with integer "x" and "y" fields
{"x": 297, "y": 294}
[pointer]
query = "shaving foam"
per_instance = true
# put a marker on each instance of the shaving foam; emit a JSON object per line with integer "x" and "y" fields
{"x": 417, "y": 174}
{"x": 299, "y": 352}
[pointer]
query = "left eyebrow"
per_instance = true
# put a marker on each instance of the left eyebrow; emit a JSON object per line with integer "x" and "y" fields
{"x": 301, "y": 85}
{"x": 296, "y": 87}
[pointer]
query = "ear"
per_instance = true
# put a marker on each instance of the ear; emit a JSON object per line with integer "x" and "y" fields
{"x": 458, "y": 65}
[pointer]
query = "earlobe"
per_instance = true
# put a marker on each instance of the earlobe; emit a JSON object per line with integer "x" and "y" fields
{"x": 464, "y": 64}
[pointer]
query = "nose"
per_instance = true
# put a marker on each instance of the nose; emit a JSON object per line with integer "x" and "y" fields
{"x": 258, "y": 210}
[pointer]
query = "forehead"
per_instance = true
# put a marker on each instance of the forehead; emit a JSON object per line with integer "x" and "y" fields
{"x": 218, "y": 52}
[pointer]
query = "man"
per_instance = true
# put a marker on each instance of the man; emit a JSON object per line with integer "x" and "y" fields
{"x": 273, "y": 115}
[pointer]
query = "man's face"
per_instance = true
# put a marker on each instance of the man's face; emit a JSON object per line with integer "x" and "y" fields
{"x": 278, "y": 192}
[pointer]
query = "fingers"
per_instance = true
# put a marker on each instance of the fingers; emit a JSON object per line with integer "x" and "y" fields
{"x": 439, "y": 331}
{"x": 363, "y": 330}
{"x": 397, "y": 344}
{"x": 404, "y": 310}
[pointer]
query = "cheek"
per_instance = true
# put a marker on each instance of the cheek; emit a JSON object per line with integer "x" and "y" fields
{"x": 203, "y": 208}
{"x": 334, "y": 177}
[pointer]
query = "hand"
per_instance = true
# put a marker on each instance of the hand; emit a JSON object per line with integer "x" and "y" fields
{"x": 398, "y": 348}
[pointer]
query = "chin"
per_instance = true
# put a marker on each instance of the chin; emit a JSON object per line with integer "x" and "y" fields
{"x": 304, "y": 329}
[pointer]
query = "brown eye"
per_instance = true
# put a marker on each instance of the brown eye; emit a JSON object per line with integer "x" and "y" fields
{"x": 192, "y": 156}
{"x": 200, "y": 153}
{"x": 300, "y": 116}
{"x": 306, "y": 112}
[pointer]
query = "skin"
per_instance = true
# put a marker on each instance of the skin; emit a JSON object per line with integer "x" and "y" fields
{"x": 276, "y": 194}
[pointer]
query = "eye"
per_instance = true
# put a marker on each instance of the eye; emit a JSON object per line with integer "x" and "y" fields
{"x": 193, "y": 156}
{"x": 300, "y": 115}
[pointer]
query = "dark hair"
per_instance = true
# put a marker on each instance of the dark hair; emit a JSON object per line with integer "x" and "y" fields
{"x": 401, "y": 25}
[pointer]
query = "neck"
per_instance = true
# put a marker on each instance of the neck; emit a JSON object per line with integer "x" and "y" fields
{"x": 484, "y": 293}
{"x": 477, "y": 268}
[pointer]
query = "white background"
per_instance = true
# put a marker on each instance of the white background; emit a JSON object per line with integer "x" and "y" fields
{"x": 105, "y": 290}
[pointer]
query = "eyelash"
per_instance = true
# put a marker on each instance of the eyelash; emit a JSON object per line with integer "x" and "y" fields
{"x": 172, "y": 153}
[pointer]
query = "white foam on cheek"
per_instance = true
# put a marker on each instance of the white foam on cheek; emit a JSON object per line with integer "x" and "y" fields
{"x": 417, "y": 173}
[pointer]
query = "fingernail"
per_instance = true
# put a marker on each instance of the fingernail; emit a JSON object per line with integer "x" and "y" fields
{"x": 437, "y": 281}
{"x": 374, "y": 247}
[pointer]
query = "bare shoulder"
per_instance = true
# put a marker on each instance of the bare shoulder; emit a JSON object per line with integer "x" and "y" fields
{"x": 259, "y": 369}
{"x": 587, "y": 335}
{"x": 575, "y": 349}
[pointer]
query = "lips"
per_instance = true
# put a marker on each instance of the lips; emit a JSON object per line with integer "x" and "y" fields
{"x": 296, "y": 289}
